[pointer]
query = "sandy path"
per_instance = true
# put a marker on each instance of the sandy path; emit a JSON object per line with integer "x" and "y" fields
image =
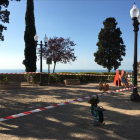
{"x": 72, "y": 121}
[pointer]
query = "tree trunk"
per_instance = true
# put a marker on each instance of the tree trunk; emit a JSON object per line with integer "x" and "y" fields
{"x": 108, "y": 69}
{"x": 54, "y": 66}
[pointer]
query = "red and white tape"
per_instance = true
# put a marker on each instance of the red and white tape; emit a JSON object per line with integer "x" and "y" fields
{"x": 81, "y": 74}
{"x": 57, "y": 73}
{"x": 60, "y": 74}
{"x": 23, "y": 73}
{"x": 56, "y": 105}
{"x": 85, "y": 74}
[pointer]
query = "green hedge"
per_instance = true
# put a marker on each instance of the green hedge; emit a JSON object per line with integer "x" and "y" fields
{"x": 109, "y": 73}
{"x": 36, "y": 78}
{"x": 59, "y": 78}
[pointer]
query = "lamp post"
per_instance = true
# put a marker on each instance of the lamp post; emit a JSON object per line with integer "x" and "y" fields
{"x": 134, "y": 13}
{"x": 36, "y": 38}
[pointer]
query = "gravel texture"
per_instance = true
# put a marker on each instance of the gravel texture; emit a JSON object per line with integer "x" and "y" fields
{"x": 71, "y": 122}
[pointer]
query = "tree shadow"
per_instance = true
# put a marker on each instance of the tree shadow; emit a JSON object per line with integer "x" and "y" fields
{"x": 71, "y": 121}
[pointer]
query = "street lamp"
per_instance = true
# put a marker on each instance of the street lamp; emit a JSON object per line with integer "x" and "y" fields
{"x": 134, "y": 13}
{"x": 36, "y": 38}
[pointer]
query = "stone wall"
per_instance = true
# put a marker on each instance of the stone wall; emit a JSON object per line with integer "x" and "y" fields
{"x": 15, "y": 77}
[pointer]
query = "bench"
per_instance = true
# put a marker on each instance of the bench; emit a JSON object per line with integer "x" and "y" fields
{"x": 71, "y": 82}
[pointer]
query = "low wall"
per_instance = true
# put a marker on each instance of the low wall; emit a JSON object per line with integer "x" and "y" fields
{"x": 10, "y": 85}
{"x": 15, "y": 77}
{"x": 72, "y": 82}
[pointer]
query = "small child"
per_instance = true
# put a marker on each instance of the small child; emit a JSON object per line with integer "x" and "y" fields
{"x": 124, "y": 80}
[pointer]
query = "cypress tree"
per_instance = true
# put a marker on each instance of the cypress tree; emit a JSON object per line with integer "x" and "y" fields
{"x": 30, "y": 31}
{"x": 111, "y": 47}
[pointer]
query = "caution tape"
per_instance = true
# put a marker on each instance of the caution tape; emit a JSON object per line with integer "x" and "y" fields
{"x": 81, "y": 74}
{"x": 23, "y": 73}
{"x": 61, "y": 74}
{"x": 57, "y": 73}
{"x": 56, "y": 105}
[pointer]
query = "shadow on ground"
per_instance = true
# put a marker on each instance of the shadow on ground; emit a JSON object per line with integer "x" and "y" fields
{"x": 72, "y": 121}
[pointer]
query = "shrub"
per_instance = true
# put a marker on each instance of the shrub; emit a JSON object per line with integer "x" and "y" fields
{"x": 3, "y": 79}
{"x": 91, "y": 78}
{"x": 59, "y": 78}
{"x": 36, "y": 77}
{"x": 53, "y": 78}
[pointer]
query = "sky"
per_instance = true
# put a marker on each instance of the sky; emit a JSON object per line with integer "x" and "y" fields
{"x": 81, "y": 20}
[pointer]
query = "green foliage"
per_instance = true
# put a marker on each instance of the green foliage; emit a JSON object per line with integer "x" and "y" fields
{"x": 63, "y": 77}
{"x": 65, "y": 72}
{"x": 36, "y": 77}
{"x": 59, "y": 78}
{"x": 60, "y": 49}
{"x": 3, "y": 79}
{"x": 4, "y": 16}
{"x": 110, "y": 45}
{"x": 89, "y": 78}
{"x": 109, "y": 73}
{"x": 30, "y": 45}
{"x": 53, "y": 79}
{"x": 82, "y": 78}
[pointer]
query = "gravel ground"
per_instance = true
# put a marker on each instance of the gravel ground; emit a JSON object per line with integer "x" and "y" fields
{"x": 71, "y": 122}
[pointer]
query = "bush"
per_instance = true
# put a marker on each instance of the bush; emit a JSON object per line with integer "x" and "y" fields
{"x": 108, "y": 73}
{"x": 54, "y": 78}
{"x": 36, "y": 78}
{"x": 112, "y": 77}
{"x": 3, "y": 79}
{"x": 82, "y": 78}
{"x": 92, "y": 78}
{"x": 63, "y": 77}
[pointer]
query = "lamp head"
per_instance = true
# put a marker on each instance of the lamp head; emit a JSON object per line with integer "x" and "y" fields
{"x": 134, "y": 12}
{"x": 36, "y": 37}
{"x": 45, "y": 39}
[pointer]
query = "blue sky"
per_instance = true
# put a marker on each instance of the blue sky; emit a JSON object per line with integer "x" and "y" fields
{"x": 81, "y": 20}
